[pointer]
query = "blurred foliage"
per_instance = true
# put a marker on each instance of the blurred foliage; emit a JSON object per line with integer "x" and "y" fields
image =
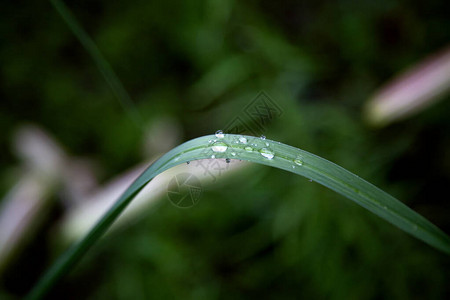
{"x": 262, "y": 233}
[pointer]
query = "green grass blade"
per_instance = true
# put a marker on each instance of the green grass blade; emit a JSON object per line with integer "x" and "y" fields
{"x": 102, "y": 64}
{"x": 259, "y": 151}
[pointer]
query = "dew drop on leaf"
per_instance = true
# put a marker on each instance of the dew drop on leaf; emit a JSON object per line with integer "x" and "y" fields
{"x": 267, "y": 153}
{"x": 298, "y": 160}
{"x": 219, "y": 147}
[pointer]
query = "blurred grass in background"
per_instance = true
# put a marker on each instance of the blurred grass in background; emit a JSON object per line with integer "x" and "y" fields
{"x": 195, "y": 65}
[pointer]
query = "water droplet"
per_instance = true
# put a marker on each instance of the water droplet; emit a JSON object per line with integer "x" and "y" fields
{"x": 293, "y": 167}
{"x": 227, "y": 160}
{"x": 188, "y": 162}
{"x": 220, "y": 134}
{"x": 233, "y": 153}
{"x": 213, "y": 156}
{"x": 267, "y": 144}
{"x": 243, "y": 140}
{"x": 298, "y": 160}
{"x": 310, "y": 180}
{"x": 267, "y": 153}
{"x": 219, "y": 147}
{"x": 263, "y": 137}
{"x": 248, "y": 149}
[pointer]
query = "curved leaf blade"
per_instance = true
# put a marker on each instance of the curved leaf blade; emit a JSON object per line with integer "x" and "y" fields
{"x": 259, "y": 151}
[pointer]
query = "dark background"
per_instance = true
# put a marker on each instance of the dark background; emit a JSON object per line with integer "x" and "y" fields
{"x": 195, "y": 64}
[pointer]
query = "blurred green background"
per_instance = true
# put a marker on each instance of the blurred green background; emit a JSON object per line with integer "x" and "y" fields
{"x": 261, "y": 232}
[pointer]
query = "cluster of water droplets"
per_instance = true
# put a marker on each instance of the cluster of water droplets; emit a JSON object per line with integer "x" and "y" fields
{"x": 266, "y": 152}
{"x": 219, "y": 146}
